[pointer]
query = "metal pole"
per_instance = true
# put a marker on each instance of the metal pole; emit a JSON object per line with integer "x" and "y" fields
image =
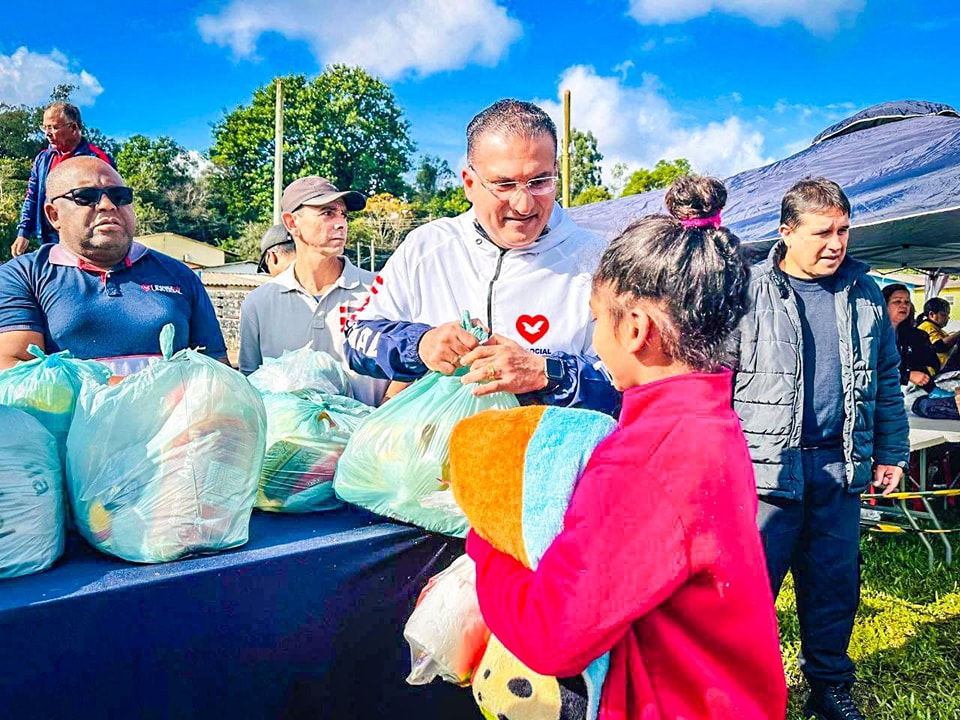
{"x": 565, "y": 156}
{"x": 278, "y": 154}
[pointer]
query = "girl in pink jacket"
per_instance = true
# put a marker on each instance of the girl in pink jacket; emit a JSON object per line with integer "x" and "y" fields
{"x": 660, "y": 560}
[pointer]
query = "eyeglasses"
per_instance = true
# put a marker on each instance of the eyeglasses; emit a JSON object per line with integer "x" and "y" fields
{"x": 89, "y": 196}
{"x": 54, "y": 128}
{"x": 506, "y": 190}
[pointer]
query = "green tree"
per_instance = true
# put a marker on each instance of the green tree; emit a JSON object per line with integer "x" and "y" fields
{"x": 433, "y": 176}
{"x": 448, "y": 202}
{"x": 660, "y": 177}
{"x": 153, "y": 168}
{"x": 585, "y": 160}
{"x": 344, "y": 125}
{"x": 595, "y": 193}
{"x": 20, "y": 135}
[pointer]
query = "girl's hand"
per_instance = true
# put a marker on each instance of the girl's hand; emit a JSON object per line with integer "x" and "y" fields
{"x": 919, "y": 378}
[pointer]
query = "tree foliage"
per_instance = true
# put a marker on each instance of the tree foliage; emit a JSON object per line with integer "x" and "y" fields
{"x": 344, "y": 125}
{"x": 434, "y": 175}
{"x": 585, "y": 169}
{"x": 661, "y": 176}
{"x": 596, "y": 193}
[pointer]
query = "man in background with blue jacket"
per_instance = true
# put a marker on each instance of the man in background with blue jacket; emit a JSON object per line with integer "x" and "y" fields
{"x": 817, "y": 389}
{"x": 64, "y": 131}
{"x": 515, "y": 262}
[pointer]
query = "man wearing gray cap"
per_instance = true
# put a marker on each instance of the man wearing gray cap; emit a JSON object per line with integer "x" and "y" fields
{"x": 277, "y": 251}
{"x": 310, "y": 301}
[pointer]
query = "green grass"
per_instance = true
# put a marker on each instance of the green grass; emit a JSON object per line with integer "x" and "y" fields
{"x": 906, "y": 641}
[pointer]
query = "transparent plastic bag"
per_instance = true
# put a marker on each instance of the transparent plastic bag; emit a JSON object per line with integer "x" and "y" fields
{"x": 47, "y": 389}
{"x": 31, "y": 496}
{"x": 306, "y": 434}
{"x": 303, "y": 369}
{"x": 398, "y": 459}
{"x": 166, "y": 464}
{"x": 446, "y": 632}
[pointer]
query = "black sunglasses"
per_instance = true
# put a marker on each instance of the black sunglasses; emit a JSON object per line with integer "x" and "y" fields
{"x": 90, "y": 196}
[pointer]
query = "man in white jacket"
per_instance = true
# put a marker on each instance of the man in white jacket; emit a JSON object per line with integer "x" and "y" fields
{"x": 515, "y": 261}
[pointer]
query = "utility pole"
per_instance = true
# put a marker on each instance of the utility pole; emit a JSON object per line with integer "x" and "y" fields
{"x": 278, "y": 154}
{"x": 565, "y": 154}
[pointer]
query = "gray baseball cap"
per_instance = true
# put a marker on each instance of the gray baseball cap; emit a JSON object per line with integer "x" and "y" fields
{"x": 275, "y": 235}
{"x": 315, "y": 190}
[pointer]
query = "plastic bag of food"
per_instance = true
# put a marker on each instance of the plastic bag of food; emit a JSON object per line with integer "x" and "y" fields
{"x": 47, "y": 388}
{"x": 31, "y": 495}
{"x": 166, "y": 464}
{"x": 306, "y": 434}
{"x": 303, "y": 369}
{"x": 397, "y": 462}
{"x": 446, "y": 632}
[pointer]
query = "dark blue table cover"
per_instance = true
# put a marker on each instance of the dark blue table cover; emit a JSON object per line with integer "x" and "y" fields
{"x": 305, "y": 621}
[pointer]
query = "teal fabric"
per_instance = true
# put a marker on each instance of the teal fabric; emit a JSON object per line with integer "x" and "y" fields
{"x": 555, "y": 459}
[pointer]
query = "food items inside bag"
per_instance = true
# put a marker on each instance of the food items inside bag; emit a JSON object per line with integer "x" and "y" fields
{"x": 307, "y": 432}
{"x": 166, "y": 464}
{"x": 446, "y": 632}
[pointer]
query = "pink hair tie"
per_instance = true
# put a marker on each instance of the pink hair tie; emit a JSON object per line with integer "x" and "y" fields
{"x": 712, "y": 221}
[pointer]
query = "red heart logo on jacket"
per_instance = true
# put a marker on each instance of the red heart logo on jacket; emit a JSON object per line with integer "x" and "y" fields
{"x": 532, "y": 327}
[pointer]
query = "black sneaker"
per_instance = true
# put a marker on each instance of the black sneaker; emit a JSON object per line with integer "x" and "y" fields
{"x": 832, "y": 702}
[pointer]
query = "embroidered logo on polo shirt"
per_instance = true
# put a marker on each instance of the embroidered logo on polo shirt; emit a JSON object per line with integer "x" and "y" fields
{"x": 173, "y": 289}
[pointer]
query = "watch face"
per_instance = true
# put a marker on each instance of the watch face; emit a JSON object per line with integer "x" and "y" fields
{"x": 554, "y": 369}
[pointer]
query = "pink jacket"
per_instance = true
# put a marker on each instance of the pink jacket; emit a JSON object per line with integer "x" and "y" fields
{"x": 660, "y": 562}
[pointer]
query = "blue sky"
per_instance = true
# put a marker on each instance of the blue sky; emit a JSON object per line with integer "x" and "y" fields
{"x": 729, "y": 84}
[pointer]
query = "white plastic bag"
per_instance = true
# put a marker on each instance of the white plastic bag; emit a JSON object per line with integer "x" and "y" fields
{"x": 446, "y": 632}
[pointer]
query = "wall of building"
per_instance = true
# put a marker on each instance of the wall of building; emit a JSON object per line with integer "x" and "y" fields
{"x": 226, "y": 303}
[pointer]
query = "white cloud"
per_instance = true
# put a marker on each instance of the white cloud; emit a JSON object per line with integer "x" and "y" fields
{"x": 415, "y": 36}
{"x": 638, "y": 126}
{"x": 28, "y": 78}
{"x": 818, "y": 16}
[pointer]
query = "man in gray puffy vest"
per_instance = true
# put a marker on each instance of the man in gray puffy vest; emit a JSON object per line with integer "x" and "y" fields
{"x": 817, "y": 389}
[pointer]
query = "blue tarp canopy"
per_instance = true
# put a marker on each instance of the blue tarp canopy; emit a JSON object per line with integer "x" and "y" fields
{"x": 899, "y": 164}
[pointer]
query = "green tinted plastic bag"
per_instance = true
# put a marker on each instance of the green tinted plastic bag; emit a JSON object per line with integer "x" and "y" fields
{"x": 31, "y": 496}
{"x": 166, "y": 464}
{"x": 398, "y": 464}
{"x": 306, "y": 434}
{"x": 47, "y": 388}
{"x": 303, "y": 369}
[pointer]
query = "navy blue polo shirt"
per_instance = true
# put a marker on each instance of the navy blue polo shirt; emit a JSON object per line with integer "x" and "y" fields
{"x": 96, "y": 314}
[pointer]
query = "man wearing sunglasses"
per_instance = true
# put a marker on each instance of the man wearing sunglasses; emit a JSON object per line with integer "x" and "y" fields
{"x": 515, "y": 261}
{"x": 64, "y": 131}
{"x": 97, "y": 293}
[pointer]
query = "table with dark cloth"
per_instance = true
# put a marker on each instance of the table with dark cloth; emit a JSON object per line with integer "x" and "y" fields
{"x": 306, "y": 620}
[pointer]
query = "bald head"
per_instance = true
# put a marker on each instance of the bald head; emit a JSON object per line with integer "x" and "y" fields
{"x": 80, "y": 171}
{"x": 96, "y": 228}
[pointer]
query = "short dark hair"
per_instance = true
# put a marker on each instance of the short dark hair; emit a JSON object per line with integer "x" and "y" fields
{"x": 512, "y": 118}
{"x": 696, "y": 275}
{"x": 285, "y": 248}
{"x": 812, "y": 195}
{"x": 936, "y": 305}
{"x": 888, "y": 290}
{"x": 70, "y": 111}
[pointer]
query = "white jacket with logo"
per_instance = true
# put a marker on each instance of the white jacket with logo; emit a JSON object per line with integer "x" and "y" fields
{"x": 538, "y": 296}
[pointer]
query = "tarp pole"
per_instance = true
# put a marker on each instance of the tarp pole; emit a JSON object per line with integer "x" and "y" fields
{"x": 565, "y": 154}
